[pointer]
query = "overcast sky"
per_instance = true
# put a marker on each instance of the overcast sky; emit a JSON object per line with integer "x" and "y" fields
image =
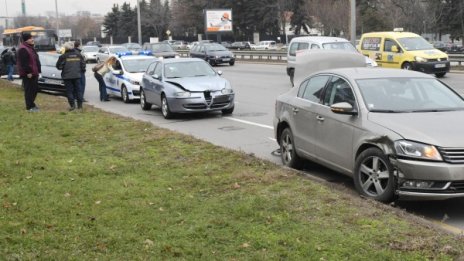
{"x": 39, "y": 7}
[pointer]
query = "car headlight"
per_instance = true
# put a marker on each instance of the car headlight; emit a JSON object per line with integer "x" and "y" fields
{"x": 182, "y": 94}
{"x": 134, "y": 82}
{"x": 227, "y": 91}
{"x": 417, "y": 150}
{"x": 420, "y": 59}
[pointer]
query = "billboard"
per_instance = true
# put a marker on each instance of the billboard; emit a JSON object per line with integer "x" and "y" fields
{"x": 218, "y": 20}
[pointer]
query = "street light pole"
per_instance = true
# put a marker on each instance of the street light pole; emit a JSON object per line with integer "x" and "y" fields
{"x": 353, "y": 22}
{"x": 6, "y": 15}
{"x": 139, "y": 24}
{"x": 57, "y": 21}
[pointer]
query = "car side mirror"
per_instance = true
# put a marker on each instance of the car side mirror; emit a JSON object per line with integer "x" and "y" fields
{"x": 117, "y": 72}
{"x": 107, "y": 52}
{"x": 343, "y": 108}
{"x": 156, "y": 76}
{"x": 395, "y": 49}
{"x": 219, "y": 72}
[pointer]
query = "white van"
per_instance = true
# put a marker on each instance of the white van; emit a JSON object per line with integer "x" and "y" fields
{"x": 266, "y": 45}
{"x": 305, "y": 43}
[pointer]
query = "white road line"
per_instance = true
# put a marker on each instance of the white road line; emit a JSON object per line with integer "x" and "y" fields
{"x": 272, "y": 139}
{"x": 250, "y": 123}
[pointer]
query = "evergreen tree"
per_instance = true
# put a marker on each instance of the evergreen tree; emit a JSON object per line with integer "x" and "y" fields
{"x": 111, "y": 21}
{"x": 300, "y": 19}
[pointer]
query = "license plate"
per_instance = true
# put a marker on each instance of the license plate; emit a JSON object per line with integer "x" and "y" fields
{"x": 49, "y": 81}
{"x": 226, "y": 59}
{"x": 440, "y": 65}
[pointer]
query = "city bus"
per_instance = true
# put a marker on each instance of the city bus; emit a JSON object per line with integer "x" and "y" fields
{"x": 45, "y": 39}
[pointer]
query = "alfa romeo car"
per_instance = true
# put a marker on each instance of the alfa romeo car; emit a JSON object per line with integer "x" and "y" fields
{"x": 123, "y": 79}
{"x": 185, "y": 85}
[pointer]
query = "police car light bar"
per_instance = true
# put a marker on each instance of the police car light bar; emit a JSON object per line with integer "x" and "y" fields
{"x": 120, "y": 54}
{"x": 145, "y": 53}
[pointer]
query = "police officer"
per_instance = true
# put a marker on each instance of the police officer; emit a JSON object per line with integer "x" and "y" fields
{"x": 72, "y": 64}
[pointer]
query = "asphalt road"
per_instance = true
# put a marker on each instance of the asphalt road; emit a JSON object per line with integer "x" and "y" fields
{"x": 249, "y": 129}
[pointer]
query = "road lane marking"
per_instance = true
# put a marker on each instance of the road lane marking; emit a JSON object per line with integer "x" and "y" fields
{"x": 250, "y": 123}
{"x": 272, "y": 139}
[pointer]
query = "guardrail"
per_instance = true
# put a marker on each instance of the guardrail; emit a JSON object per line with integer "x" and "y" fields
{"x": 281, "y": 57}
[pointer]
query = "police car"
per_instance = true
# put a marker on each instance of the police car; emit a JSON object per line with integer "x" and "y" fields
{"x": 123, "y": 79}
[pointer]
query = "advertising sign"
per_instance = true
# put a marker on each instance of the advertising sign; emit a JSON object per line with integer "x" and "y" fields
{"x": 65, "y": 33}
{"x": 218, "y": 20}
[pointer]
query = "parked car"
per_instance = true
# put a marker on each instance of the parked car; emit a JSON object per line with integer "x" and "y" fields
{"x": 179, "y": 45}
{"x": 213, "y": 53}
{"x": 265, "y": 45}
{"x": 185, "y": 85}
{"x": 50, "y": 78}
{"x": 169, "y": 41}
{"x": 226, "y": 44}
{"x": 163, "y": 50}
{"x": 90, "y": 53}
{"x": 395, "y": 132}
{"x": 455, "y": 48}
{"x": 123, "y": 79}
{"x": 132, "y": 46}
{"x": 105, "y": 52}
{"x": 94, "y": 43}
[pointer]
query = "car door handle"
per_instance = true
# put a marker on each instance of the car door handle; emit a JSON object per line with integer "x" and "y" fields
{"x": 320, "y": 118}
{"x": 295, "y": 110}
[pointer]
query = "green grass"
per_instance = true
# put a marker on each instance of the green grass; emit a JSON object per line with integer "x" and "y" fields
{"x": 93, "y": 185}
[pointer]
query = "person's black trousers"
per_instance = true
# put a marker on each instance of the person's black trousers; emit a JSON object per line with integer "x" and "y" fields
{"x": 73, "y": 92}
{"x": 31, "y": 87}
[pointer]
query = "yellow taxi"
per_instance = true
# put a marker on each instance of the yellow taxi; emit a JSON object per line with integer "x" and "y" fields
{"x": 404, "y": 50}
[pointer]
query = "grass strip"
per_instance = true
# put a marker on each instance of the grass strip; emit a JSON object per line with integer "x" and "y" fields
{"x": 94, "y": 185}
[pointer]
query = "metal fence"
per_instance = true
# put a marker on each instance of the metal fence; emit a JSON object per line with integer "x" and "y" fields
{"x": 281, "y": 57}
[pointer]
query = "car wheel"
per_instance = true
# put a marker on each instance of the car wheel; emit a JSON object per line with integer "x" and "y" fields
{"x": 406, "y": 66}
{"x": 440, "y": 75}
{"x": 211, "y": 62}
{"x": 167, "y": 114}
{"x": 373, "y": 175}
{"x": 287, "y": 150}
{"x": 231, "y": 63}
{"x": 228, "y": 111}
{"x": 124, "y": 94}
{"x": 143, "y": 101}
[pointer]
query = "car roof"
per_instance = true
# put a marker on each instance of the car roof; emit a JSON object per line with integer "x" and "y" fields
{"x": 390, "y": 34}
{"x": 136, "y": 57}
{"x": 318, "y": 39}
{"x": 375, "y": 72}
{"x": 181, "y": 60}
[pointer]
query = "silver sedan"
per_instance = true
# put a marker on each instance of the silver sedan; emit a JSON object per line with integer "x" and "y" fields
{"x": 395, "y": 132}
{"x": 185, "y": 85}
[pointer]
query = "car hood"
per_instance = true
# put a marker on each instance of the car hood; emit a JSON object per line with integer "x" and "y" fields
{"x": 220, "y": 53}
{"x": 133, "y": 76}
{"x": 200, "y": 84}
{"x": 90, "y": 53}
{"x": 167, "y": 53}
{"x": 429, "y": 54}
{"x": 444, "y": 129}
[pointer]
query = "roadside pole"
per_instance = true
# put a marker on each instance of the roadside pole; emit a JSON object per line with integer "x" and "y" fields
{"x": 353, "y": 22}
{"x": 139, "y": 25}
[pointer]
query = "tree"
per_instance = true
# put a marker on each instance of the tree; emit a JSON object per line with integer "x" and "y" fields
{"x": 301, "y": 20}
{"x": 111, "y": 21}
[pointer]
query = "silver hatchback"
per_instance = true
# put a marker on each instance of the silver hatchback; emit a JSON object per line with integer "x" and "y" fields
{"x": 396, "y": 132}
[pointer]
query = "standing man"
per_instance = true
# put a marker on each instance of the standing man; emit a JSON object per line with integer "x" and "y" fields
{"x": 9, "y": 60}
{"x": 71, "y": 64}
{"x": 77, "y": 46}
{"x": 29, "y": 68}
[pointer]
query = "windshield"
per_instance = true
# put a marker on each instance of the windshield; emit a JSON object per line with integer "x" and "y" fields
{"x": 215, "y": 47}
{"x": 415, "y": 43}
{"x": 118, "y": 49}
{"x": 163, "y": 47}
{"x": 188, "y": 69}
{"x": 408, "y": 95}
{"x": 90, "y": 48}
{"x": 137, "y": 65}
{"x": 343, "y": 46}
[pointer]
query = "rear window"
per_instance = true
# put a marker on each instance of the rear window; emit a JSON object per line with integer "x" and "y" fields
{"x": 294, "y": 47}
{"x": 371, "y": 43}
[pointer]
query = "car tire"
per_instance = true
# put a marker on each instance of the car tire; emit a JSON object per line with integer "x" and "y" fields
{"x": 373, "y": 175}
{"x": 211, "y": 62}
{"x": 125, "y": 94}
{"x": 143, "y": 101}
{"x": 231, "y": 63}
{"x": 406, "y": 66}
{"x": 165, "y": 110}
{"x": 287, "y": 150}
{"x": 440, "y": 75}
{"x": 228, "y": 111}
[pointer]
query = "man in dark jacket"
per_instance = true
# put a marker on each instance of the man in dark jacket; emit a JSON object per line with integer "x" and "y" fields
{"x": 71, "y": 64}
{"x": 29, "y": 68}
{"x": 77, "y": 46}
{"x": 9, "y": 60}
